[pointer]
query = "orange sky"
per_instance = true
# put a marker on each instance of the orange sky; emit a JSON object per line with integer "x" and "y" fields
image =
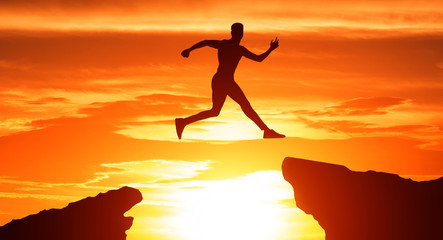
{"x": 89, "y": 91}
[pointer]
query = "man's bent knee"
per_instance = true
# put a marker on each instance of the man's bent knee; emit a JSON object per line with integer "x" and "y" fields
{"x": 214, "y": 112}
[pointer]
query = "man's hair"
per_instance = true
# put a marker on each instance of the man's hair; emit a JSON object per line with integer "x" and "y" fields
{"x": 237, "y": 27}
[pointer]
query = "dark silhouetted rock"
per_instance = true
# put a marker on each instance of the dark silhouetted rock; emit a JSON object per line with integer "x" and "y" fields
{"x": 92, "y": 218}
{"x": 366, "y": 205}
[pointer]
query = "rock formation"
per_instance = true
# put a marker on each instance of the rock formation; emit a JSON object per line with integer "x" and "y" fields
{"x": 366, "y": 205}
{"x": 92, "y": 218}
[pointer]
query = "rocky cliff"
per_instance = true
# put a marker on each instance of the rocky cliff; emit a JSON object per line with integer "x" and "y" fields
{"x": 93, "y": 218}
{"x": 366, "y": 205}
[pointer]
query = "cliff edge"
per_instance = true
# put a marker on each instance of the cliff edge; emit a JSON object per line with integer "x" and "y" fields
{"x": 92, "y": 218}
{"x": 366, "y": 205}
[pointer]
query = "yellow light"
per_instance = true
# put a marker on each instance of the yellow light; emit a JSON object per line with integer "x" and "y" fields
{"x": 232, "y": 209}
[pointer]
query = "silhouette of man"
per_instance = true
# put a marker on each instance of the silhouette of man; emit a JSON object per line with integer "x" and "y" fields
{"x": 223, "y": 84}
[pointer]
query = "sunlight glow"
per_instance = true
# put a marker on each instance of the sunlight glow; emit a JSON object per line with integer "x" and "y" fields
{"x": 228, "y": 130}
{"x": 242, "y": 208}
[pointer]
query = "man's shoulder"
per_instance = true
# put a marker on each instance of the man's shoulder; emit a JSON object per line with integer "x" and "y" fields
{"x": 221, "y": 42}
{"x": 243, "y": 48}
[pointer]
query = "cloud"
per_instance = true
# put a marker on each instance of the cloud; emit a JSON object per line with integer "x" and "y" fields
{"x": 356, "y": 128}
{"x": 29, "y": 110}
{"x": 120, "y": 112}
{"x": 210, "y": 15}
{"x": 366, "y": 106}
{"x": 148, "y": 172}
{"x": 48, "y": 100}
{"x": 358, "y": 107}
{"x": 36, "y": 196}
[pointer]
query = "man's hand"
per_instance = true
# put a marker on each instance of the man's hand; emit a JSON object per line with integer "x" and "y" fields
{"x": 274, "y": 44}
{"x": 185, "y": 53}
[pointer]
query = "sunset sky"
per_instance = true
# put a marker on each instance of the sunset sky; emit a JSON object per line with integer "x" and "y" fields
{"x": 89, "y": 91}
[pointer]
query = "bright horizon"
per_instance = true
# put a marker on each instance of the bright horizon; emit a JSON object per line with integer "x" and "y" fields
{"x": 89, "y": 92}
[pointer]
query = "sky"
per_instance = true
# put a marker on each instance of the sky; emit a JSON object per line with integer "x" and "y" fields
{"x": 89, "y": 91}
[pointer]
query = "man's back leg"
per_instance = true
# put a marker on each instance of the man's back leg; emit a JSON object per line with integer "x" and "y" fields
{"x": 218, "y": 99}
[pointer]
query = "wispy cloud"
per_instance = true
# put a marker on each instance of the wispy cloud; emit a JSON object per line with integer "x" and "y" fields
{"x": 149, "y": 172}
{"x": 362, "y": 128}
{"x": 358, "y": 107}
{"x": 211, "y": 16}
{"x": 37, "y": 196}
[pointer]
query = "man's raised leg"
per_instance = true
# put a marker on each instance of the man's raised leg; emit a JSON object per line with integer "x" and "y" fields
{"x": 237, "y": 95}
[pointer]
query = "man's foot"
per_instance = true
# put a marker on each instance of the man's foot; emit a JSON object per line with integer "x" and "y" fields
{"x": 179, "y": 126}
{"x": 269, "y": 133}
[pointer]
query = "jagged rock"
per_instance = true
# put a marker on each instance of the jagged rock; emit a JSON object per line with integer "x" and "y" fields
{"x": 366, "y": 205}
{"x": 92, "y": 218}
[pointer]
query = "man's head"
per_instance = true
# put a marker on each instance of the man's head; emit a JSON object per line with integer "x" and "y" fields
{"x": 237, "y": 31}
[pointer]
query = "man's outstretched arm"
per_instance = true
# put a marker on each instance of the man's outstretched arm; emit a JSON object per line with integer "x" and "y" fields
{"x": 261, "y": 57}
{"x": 204, "y": 43}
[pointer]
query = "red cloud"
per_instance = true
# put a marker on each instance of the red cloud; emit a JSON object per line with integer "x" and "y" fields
{"x": 361, "y": 128}
{"x": 115, "y": 113}
{"x": 365, "y": 106}
{"x": 358, "y": 107}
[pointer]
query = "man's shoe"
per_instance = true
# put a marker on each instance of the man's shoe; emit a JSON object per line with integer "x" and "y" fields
{"x": 179, "y": 126}
{"x": 272, "y": 134}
